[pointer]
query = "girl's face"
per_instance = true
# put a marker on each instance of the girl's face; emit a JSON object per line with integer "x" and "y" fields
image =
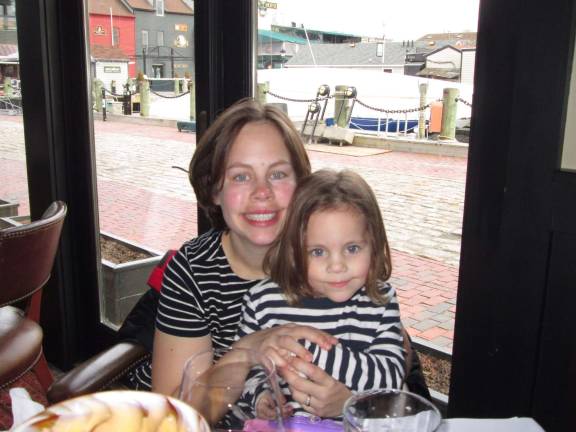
{"x": 258, "y": 184}
{"x": 339, "y": 253}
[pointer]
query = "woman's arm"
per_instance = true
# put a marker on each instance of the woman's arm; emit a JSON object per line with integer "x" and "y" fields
{"x": 168, "y": 358}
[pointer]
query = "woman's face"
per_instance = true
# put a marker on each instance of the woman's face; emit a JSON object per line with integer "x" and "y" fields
{"x": 257, "y": 186}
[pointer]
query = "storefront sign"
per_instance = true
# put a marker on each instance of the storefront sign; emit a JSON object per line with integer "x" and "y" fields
{"x": 112, "y": 69}
{"x": 99, "y": 31}
{"x": 181, "y": 27}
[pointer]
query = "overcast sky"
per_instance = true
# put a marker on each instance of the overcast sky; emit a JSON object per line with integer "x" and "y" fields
{"x": 397, "y": 19}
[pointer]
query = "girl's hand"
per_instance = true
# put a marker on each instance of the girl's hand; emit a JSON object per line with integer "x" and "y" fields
{"x": 327, "y": 395}
{"x": 266, "y": 406}
{"x": 281, "y": 343}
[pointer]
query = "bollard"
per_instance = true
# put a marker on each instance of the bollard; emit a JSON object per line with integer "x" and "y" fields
{"x": 342, "y": 109}
{"x": 145, "y": 98}
{"x": 127, "y": 101}
{"x": 192, "y": 91}
{"x": 103, "y": 104}
{"x": 448, "y": 132}
{"x": 97, "y": 94}
{"x": 176, "y": 86}
{"x": 8, "y": 90}
{"x": 423, "y": 87}
{"x": 263, "y": 89}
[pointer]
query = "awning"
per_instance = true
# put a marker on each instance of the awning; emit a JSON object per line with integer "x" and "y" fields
{"x": 439, "y": 73}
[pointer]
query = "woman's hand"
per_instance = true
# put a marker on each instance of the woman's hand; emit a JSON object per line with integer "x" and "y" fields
{"x": 314, "y": 389}
{"x": 281, "y": 343}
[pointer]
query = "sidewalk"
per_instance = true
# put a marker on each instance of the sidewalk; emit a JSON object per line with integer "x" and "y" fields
{"x": 142, "y": 198}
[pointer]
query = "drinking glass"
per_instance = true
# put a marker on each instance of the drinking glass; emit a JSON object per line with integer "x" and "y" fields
{"x": 233, "y": 389}
{"x": 390, "y": 410}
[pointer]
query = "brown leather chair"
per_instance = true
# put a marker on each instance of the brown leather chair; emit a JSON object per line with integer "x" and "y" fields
{"x": 27, "y": 254}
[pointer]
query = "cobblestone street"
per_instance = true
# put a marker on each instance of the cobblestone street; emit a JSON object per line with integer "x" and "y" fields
{"x": 142, "y": 198}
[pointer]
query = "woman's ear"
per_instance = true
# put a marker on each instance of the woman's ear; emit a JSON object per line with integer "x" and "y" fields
{"x": 216, "y": 198}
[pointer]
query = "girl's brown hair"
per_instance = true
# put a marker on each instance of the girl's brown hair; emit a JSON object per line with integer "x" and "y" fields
{"x": 208, "y": 164}
{"x": 287, "y": 259}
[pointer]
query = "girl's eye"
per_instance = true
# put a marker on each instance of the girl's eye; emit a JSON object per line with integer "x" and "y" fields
{"x": 240, "y": 178}
{"x": 353, "y": 249}
{"x": 316, "y": 252}
{"x": 278, "y": 175}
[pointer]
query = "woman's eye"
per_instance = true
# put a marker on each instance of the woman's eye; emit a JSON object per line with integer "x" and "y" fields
{"x": 316, "y": 252}
{"x": 353, "y": 249}
{"x": 240, "y": 178}
{"x": 278, "y": 175}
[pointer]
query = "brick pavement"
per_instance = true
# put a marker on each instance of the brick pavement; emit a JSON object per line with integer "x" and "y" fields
{"x": 142, "y": 198}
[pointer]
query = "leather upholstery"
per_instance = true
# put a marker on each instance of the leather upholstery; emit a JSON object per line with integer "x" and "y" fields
{"x": 21, "y": 342}
{"x": 98, "y": 372}
{"x": 27, "y": 253}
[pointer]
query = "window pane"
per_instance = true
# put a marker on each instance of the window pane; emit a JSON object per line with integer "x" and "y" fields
{"x": 145, "y": 205}
{"x": 569, "y": 145}
{"x": 14, "y": 204}
{"x": 388, "y": 52}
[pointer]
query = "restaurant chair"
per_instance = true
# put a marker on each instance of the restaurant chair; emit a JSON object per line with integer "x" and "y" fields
{"x": 27, "y": 255}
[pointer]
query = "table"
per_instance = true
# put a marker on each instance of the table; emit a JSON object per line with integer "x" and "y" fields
{"x": 514, "y": 424}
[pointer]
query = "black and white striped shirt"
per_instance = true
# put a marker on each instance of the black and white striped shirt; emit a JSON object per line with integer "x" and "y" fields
{"x": 370, "y": 354}
{"x": 200, "y": 295}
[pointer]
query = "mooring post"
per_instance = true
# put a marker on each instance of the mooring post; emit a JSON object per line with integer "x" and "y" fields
{"x": 8, "y": 90}
{"x": 97, "y": 94}
{"x": 423, "y": 87}
{"x": 341, "y": 106}
{"x": 192, "y": 91}
{"x": 263, "y": 89}
{"x": 448, "y": 131}
{"x": 145, "y": 98}
{"x": 176, "y": 86}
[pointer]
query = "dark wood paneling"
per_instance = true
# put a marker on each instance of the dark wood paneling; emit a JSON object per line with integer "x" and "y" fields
{"x": 554, "y": 399}
{"x": 60, "y": 164}
{"x": 522, "y": 61}
{"x": 224, "y": 61}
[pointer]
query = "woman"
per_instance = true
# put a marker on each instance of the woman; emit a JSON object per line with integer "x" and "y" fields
{"x": 244, "y": 172}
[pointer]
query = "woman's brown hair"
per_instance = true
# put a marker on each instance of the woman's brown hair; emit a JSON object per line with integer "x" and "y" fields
{"x": 209, "y": 161}
{"x": 287, "y": 259}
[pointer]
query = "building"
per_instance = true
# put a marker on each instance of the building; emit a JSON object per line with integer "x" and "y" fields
{"x": 388, "y": 56}
{"x": 110, "y": 64}
{"x": 164, "y": 37}
{"x": 111, "y": 27}
{"x": 443, "y": 63}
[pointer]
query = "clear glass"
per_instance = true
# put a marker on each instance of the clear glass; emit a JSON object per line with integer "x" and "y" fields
{"x": 145, "y": 205}
{"x": 238, "y": 392}
{"x": 390, "y": 410}
{"x": 14, "y": 204}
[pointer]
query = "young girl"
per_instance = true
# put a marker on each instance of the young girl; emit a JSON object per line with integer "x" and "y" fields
{"x": 328, "y": 270}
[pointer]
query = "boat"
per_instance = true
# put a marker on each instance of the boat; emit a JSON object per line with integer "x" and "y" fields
{"x": 372, "y": 124}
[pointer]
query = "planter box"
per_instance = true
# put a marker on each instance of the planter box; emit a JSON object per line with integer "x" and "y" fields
{"x": 13, "y": 221}
{"x": 8, "y": 208}
{"x": 124, "y": 283}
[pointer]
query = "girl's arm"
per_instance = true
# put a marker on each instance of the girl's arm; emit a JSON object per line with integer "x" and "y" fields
{"x": 168, "y": 358}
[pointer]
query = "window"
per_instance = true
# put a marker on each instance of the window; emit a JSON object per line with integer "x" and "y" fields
{"x": 159, "y": 7}
{"x": 116, "y": 36}
{"x": 160, "y": 38}
{"x": 145, "y": 38}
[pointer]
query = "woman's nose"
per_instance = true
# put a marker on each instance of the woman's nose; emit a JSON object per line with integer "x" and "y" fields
{"x": 262, "y": 190}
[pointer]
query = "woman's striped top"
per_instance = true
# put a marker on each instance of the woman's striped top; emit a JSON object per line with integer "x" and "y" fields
{"x": 201, "y": 295}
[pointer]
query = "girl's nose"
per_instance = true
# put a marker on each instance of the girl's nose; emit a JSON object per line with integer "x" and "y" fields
{"x": 336, "y": 264}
